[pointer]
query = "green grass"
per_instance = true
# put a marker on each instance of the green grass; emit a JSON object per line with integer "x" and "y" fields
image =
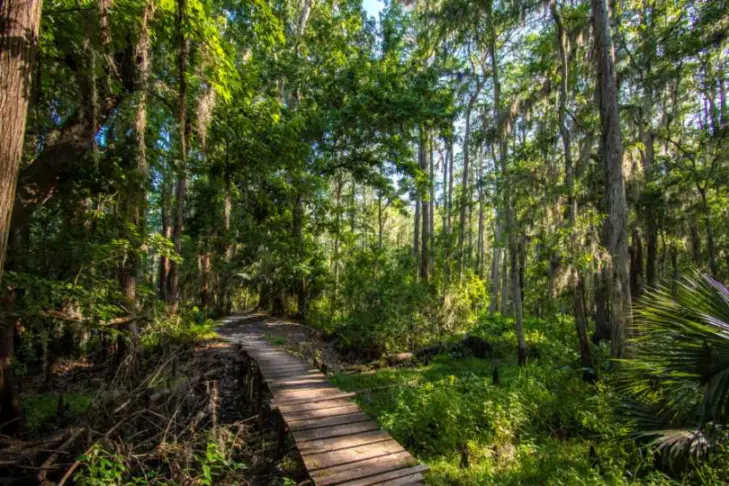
{"x": 40, "y": 410}
{"x": 538, "y": 426}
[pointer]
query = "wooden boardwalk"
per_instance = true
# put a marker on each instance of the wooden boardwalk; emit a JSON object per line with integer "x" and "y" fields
{"x": 339, "y": 444}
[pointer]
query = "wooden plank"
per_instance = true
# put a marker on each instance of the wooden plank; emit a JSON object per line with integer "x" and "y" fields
{"x": 304, "y": 393}
{"x": 283, "y": 366}
{"x": 316, "y": 413}
{"x": 334, "y": 431}
{"x": 279, "y": 403}
{"x": 277, "y": 375}
{"x": 363, "y": 469}
{"x": 321, "y": 446}
{"x": 319, "y": 422}
{"x": 352, "y": 454}
{"x": 290, "y": 375}
{"x": 320, "y": 385}
{"x": 297, "y": 381}
{"x": 321, "y": 405}
{"x": 400, "y": 477}
{"x": 339, "y": 444}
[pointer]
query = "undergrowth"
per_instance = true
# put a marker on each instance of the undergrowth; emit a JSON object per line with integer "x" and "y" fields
{"x": 537, "y": 424}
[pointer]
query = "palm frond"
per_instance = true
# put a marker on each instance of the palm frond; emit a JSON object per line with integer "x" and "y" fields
{"x": 677, "y": 380}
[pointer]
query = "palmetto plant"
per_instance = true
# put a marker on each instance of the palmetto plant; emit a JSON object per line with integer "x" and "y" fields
{"x": 677, "y": 379}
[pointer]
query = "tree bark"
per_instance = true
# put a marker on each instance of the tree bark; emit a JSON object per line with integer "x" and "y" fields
{"x": 576, "y": 281}
{"x": 136, "y": 197}
{"x": 509, "y": 205}
{"x": 465, "y": 193}
{"x": 448, "y": 204}
{"x": 175, "y": 270}
{"x": 20, "y": 21}
{"x": 425, "y": 210}
{"x": 164, "y": 262}
{"x": 611, "y": 153}
{"x": 19, "y": 27}
{"x": 495, "y": 268}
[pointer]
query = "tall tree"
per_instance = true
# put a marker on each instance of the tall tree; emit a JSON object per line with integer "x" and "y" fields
{"x": 19, "y": 27}
{"x": 175, "y": 269}
{"x": 615, "y": 237}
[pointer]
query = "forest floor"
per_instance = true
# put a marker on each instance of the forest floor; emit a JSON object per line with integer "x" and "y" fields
{"x": 179, "y": 417}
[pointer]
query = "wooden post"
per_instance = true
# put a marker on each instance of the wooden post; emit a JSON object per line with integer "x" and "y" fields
{"x": 280, "y": 448}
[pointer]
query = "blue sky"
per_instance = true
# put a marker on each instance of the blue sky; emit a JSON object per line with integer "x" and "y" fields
{"x": 373, "y": 7}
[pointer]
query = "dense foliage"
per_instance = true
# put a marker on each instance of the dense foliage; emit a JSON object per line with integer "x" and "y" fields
{"x": 522, "y": 172}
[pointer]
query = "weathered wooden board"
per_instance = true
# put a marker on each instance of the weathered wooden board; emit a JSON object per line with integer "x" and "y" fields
{"x": 334, "y": 431}
{"x": 307, "y": 413}
{"x": 339, "y": 444}
{"x": 320, "y": 405}
{"x": 398, "y": 477}
{"x": 305, "y": 401}
{"x": 320, "y": 446}
{"x": 353, "y": 454}
{"x": 320, "y": 422}
{"x": 363, "y": 469}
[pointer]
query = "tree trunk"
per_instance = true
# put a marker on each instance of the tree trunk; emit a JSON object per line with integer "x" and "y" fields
{"x": 465, "y": 193}
{"x": 706, "y": 212}
{"x": 636, "y": 265}
{"x": 337, "y": 229}
{"x": 298, "y": 236}
{"x": 20, "y": 20}
{"x": 225, "y": 303}
{"x": 576, "y": 283}
{"x": 509, "y": 209}
{"x": 480, "y": 252}
{"x": 380, "y": 222}
{"x": 611, "y": 153}
{"x": 495, "y": 268}
{"x": 136, "y": 197}
{"x": 448, "y": 204}
{"x": 175, "y": 270}
{"x": 431, "y": 219}
{"x": 425, "y": 240}
{"x": 164, "y": 262}
{"x": 416, "y": 234}
{"x": 20, "y": 23}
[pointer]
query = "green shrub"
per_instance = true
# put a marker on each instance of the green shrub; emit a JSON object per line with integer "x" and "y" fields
{"x": 42, "y": 411}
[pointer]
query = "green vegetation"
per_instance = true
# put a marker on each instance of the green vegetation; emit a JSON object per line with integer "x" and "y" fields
{"x": 541, "y": 424}
{"x": 44, "y": 412}
{"x": 397, "y": 175}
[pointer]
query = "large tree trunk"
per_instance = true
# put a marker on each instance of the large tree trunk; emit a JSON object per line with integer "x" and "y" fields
{"x": 175, "y": 270}
{"x": 136, "y": 197}
{"x": 19, "y": 26}
{"x": 611, "y": 153}
{"x": 20, "y": 22}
